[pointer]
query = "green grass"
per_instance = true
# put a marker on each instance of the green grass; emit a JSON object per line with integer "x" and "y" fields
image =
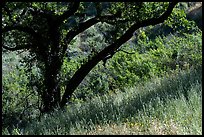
{"x": 170, "y": 105}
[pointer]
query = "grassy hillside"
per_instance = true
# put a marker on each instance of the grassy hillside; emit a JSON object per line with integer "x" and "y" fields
{"x": 168, "y": 105}
{"x": 118, "y": 98}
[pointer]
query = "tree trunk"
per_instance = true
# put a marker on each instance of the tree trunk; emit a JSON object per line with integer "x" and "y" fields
{"x": 51, "y": 94}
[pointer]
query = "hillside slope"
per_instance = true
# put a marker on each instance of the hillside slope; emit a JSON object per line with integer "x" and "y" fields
{"x": 170, "y": 105}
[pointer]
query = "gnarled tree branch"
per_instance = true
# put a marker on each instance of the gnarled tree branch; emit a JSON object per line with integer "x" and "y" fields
{"x": 85, "y": 25}
{"x": 27, "y": 30}
{"x": 82, "y": 27}
{"x": 110, "y": 50}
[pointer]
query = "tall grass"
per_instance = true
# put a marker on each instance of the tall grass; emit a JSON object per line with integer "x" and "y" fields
{"x": 171, "y": 105}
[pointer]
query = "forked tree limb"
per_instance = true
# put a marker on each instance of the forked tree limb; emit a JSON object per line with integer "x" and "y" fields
{"x": 110, "y": 50}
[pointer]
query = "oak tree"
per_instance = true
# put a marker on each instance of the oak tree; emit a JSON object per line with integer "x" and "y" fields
{"x": 46, "y": 30}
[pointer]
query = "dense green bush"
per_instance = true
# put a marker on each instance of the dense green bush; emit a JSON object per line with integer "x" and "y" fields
{"x": 149, "y": 58}
{"x": 19, "y": 102}
{"x": 155, "y": 58}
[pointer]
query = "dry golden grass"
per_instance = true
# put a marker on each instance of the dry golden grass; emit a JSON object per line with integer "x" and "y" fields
{"x": 155, "y": 127}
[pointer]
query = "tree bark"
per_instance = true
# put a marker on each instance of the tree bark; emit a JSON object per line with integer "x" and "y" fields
{"x": 51, "y": 94}
{"x": 53, "y": 63}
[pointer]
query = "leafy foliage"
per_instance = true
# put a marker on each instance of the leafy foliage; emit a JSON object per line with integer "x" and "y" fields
{"x": 19, "y": 102}
{"x": 152, "y": 53}
{"x": 150, "y": 58}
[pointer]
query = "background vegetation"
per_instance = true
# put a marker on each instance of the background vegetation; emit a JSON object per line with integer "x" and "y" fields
{"x": 151, "y": 86}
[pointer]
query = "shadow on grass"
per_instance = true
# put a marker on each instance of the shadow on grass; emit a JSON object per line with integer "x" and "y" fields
{"x": 103, "y": 109}
{"x": 170, "y": 88}
{"x": 12, "y": 120}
